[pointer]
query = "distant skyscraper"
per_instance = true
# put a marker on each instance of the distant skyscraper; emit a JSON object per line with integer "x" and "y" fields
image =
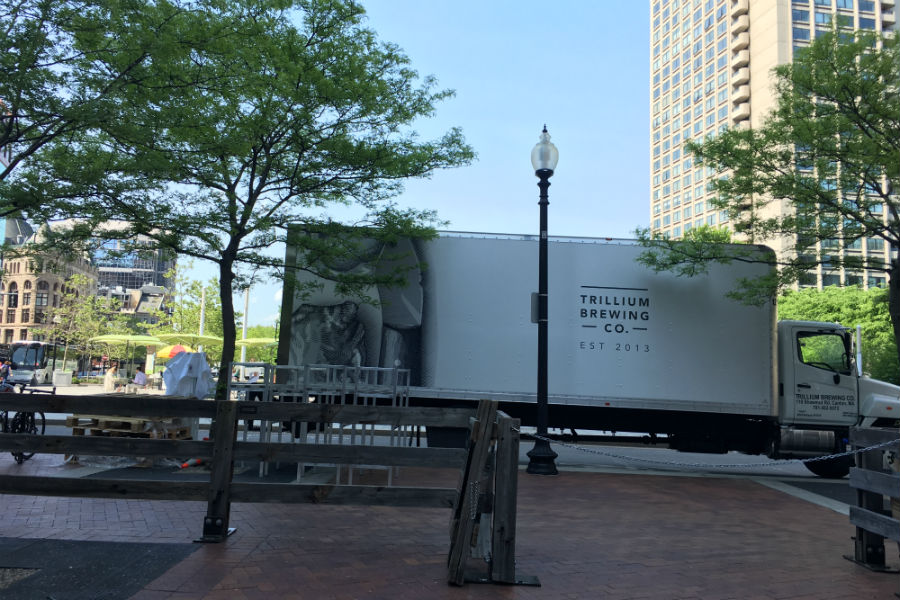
{"x": 710, "y": 68}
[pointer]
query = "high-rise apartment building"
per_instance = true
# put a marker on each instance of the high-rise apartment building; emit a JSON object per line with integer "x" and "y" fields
{"x": 711, "y": 67}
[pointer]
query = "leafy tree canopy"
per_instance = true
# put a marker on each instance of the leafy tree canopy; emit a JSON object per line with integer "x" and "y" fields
{"x": 246, "y": 117}
{"x": 851, "y": 306}
{"x": 818, "y": 180}
{"x": 63, "y": 64}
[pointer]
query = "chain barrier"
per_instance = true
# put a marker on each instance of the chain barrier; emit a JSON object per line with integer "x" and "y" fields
{"x": 780, "y": 463}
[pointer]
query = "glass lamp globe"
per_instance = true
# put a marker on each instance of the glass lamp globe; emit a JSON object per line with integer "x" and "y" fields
{"x": 544, "y": 155}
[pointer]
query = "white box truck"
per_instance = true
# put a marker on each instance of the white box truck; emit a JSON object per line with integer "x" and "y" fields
{"x": 630, "y": 350}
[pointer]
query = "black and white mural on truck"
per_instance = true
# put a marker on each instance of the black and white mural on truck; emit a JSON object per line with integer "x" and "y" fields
{"x": 327, "y": 328}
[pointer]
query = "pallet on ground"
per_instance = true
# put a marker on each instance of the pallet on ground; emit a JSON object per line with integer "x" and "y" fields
{"x": 135, "y": 424}
{"x": 162, "y": 433}
{"x": 113, "y": 426}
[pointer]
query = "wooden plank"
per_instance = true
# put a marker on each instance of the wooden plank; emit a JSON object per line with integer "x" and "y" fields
{"x": 125, "y": 405}
{"x": 886, "y": 484}
{"x": 863, "y": 437}
{"x": 876, "y": 523}
{"x": 104, "y": 446}
{"x": 461, "y": 485}
{"x": 351, "y": 455}
{"x": 85, "y": 487}
{"x": 503, "y": 536}
{"x": 343, "y": 494}
{"x": 349, "y": 413}
{"x": 218, "y": 511}
{"x": 460, "y": 541}
{"x": 868, "y": 546}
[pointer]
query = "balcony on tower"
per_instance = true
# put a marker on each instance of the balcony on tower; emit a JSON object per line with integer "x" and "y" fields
{"x": 740, "y": 7}
{"x": 740, "y": 113}
{"x": 740, "y": 24}
{"x": 740, "y": 94}
{"x": 740, "y": 41}
{"x": 740, "y": 77}
{"x": 740, "y": 59}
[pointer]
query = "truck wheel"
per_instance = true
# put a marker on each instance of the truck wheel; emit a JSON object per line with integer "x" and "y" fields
{"x": 834, "y": 468}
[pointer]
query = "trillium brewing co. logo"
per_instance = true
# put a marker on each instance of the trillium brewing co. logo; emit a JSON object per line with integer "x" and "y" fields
{"x": 614, "y": 310}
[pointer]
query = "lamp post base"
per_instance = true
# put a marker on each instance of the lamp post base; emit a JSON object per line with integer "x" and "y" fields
{"x": 541, "y": 459}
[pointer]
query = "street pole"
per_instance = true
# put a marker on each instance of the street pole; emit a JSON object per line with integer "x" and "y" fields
{"x": 541, "y": 456}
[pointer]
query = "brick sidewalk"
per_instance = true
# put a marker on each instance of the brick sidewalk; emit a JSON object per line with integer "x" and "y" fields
{"x": 585, "y": 535}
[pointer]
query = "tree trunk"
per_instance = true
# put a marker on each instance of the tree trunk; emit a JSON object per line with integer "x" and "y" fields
{"x": 894, "y": 301}
{"x": 226, "y": 280}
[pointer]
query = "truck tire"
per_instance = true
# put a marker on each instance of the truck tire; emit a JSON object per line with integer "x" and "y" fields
{"x": 833, "y": 468}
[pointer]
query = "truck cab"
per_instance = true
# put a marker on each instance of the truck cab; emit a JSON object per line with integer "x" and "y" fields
{"x": 821, "y": 392}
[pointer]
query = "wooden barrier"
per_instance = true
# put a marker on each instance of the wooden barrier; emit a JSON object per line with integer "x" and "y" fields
{"x": 873, "y": 483}
{"x": 484, "y": 504}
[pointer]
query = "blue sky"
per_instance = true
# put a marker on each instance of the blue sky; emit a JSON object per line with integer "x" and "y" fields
{"x": 580, "y": 66}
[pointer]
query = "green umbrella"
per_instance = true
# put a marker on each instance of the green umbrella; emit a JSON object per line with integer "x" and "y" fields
{"x": 129, "y": 339}
{"x": 125, "y": 338}
{"x": 191, "y": 339}
{"x": 251, "y": 342}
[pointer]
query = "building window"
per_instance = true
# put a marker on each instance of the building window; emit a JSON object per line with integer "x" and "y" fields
{"x": 41, "y": 299}
{"x": 26, "y": 298}
{"x": 10, "y": 316}
{"x": 876, "y": 244}
{"x": 801, "y": 33}
{"x": 26, "y": 315}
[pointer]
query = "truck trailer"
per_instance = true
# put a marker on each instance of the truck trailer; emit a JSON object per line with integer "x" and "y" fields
{"x": 630, "y": 349}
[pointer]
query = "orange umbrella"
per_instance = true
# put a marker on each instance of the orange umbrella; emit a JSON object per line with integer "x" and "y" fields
{"x": 167, "y": 352}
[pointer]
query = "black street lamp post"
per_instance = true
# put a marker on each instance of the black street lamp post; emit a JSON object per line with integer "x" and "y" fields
{"x": 544, "y": 157}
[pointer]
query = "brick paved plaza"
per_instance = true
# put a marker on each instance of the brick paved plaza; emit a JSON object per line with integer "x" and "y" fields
{"x": 583, "y": 534}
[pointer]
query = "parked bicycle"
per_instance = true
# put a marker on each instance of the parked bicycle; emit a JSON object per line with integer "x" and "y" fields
{"x": 21, "y": 422}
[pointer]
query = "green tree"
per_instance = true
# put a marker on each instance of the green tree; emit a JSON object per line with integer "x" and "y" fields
{"x": 182, "y": 310}
{"x": 830, "y": 153}
{"x": 62, "y": 64}
{"x": 851, "y": 306}
{"x": 301, "y": 108}
{"x": 267, "y": 353}
{"x": 81, "y": 316}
